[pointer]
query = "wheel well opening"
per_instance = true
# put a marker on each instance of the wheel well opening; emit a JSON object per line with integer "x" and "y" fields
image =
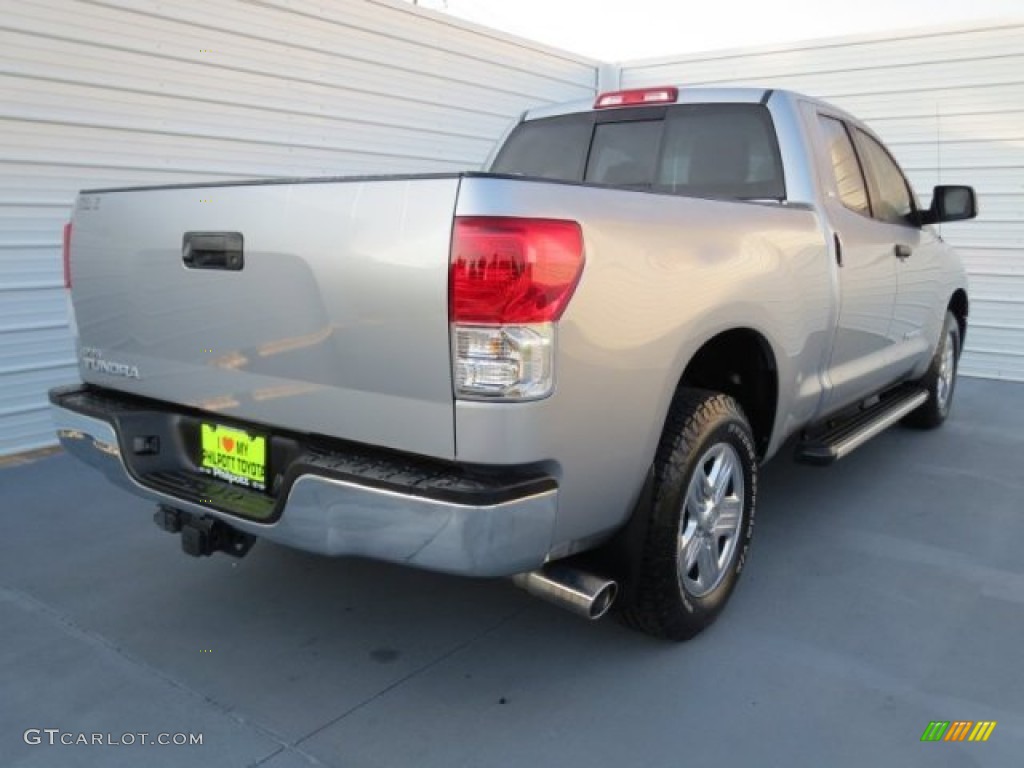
{"x": 740, "y": 363}
{"x": 958, "y": 306}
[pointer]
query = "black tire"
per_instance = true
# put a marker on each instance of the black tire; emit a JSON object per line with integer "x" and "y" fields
{"x": 666, "y": 601}
{"x": 939, "y": 382}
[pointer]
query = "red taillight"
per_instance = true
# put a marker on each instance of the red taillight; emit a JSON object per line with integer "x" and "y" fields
{"x": 637, "y": 96}
{"x": 513, "y": 271}
{"x": 67, "y": 255}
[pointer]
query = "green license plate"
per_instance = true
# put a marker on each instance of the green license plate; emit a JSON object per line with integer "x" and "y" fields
{"x": 234, "y": 456}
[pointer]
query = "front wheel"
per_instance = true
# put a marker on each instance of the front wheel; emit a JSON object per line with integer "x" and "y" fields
{"x": 940, "y": 379}
{"x": 701, "y": 517}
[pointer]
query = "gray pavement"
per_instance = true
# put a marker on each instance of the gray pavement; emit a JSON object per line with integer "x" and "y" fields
{"x": 882, "y": 593}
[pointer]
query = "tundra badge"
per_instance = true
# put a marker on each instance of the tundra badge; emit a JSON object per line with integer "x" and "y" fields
{"x": 92, "y": 359}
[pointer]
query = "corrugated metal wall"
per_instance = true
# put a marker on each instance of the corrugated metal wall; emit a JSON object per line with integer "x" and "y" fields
{"x": 112, "y": 92}
{"x": 950, "y": 104}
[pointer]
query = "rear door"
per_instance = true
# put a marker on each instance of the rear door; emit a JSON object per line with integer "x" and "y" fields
{"x": 861, "y": 361}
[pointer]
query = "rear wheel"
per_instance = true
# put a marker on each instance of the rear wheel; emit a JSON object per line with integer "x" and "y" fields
{"x": 701, "y": 517}
{"x": 940, "y": 379}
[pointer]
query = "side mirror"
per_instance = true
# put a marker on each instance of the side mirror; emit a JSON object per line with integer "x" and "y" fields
{"x": 951, "y": 203}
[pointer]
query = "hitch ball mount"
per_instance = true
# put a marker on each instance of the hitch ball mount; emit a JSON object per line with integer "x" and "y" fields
{"x": 202, "y": 535}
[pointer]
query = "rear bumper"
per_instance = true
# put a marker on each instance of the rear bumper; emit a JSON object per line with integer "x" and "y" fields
{"x": 464, "y": 520}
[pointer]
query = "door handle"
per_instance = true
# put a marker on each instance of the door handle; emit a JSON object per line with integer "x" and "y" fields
{"x": 902, "y": 251}
{"x": 213, "y": 250}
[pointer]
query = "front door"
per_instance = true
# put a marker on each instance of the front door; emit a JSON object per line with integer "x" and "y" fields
{"x": 920, "y": 303}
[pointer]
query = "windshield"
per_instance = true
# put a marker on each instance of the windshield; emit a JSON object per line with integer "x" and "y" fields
{"x": 702, "y": 150}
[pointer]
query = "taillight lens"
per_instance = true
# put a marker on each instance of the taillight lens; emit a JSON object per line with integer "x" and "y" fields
{"x": 511, "y": 270}
{"x": 511, "y": 279}
{"x": 67, "y": 255}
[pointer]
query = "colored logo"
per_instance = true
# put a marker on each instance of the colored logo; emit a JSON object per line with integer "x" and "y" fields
{"x": 958, "y": 730}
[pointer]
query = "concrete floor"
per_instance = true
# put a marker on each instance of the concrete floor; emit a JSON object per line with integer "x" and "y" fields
{"x": 882, "y": 593}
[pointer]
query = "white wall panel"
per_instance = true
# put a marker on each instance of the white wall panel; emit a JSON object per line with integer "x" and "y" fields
{"x": 97, "y": 93}
{"x": 949, "y": 102}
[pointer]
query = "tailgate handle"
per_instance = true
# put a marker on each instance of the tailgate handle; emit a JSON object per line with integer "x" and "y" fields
{"x": 213, "y": 250}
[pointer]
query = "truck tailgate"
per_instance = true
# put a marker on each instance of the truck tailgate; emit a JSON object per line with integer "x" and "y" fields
{"x": 335, "y": 324}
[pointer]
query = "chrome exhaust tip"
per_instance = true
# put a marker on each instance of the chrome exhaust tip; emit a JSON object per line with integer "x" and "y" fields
{"x": 579, "y": 592}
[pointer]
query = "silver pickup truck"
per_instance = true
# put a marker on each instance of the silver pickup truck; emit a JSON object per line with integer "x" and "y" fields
{"x": 566, "y": 369}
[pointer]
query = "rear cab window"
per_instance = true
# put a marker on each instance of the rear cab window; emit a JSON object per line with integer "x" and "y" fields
{"x": 547, "y": 149}
{"x": 624, "y": 154}
{"x": 700, "y": 150}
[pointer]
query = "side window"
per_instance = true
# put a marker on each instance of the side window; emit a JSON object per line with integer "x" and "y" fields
{"x": 890, "y": 193}
{"x": 624, "y": 154}
{"x": 849, "y": 179}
